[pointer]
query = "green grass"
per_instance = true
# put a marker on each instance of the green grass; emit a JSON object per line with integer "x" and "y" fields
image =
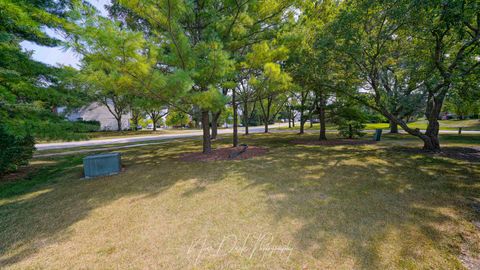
{"x": 472, "y": 124}
{"x": 335, "y": 207}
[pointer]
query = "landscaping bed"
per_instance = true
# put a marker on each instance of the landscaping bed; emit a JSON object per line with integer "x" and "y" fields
{"x": 334, "y": 142}
{"x": 225, "y": 154}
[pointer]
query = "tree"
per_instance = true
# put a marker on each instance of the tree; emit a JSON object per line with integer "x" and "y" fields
{"x": 193, "y": 46}
{"x": 430, "y": 45}
{"x": 299, "y": 41}
{"x": 350, "y": 119}
{"x": 120, "y": 65}
{"x": 200, "y": 36}
{"x": 291, "y": 107}
{"x": 312, "y": 63}
{"x": 30, "y": 91}
{"x": 269, "y": 81}
{"x": 176, "y": 118}
{"x": 464, "y": 99}
{"x": 154, "y": 109}
{"x": 247, "y": 98}
{"x": 136, "y": 111}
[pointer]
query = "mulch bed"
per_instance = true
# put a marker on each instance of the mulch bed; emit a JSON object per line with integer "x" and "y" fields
{"x": 471, "y": 154}
{"x": 334, "y": 142}
{"x": 22, "y": 173}
{"x": 225, "y": 153}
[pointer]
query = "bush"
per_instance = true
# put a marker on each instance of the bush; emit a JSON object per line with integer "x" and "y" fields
{"x": 85, "y": 126}
{"x": 15, "y": 150}
{"x": 351, "y": 129}
{"x": 350, "y": 119}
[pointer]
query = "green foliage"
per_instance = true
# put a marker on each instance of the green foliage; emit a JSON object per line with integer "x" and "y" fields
{"x": 350, "y": 119}
{"x": 372, "y": 116}
{"x": 16, "y": 150}
{"x": 31, "y": 91}
{"x": 176, "y": 118}
{"x": 145, "y": 122}
{"x": 405, "y": 57}
{"x": 226, "y": 116}
{"x": 351, "y": 129}
{"x": 464, "y": 100}
{"x": 85, "y": 126}
{"x": 211, "y": 100}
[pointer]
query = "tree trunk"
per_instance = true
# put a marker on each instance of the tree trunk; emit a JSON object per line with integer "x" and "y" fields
{"x": 289, "y": 122}
{"x": 246, "y": 117}
{"x": 235, "y": 119}
{"x": 302, "y": 122}
{"x": 321, "y": 117}
{"x": 266, "y": 112}
{"x": 311, "y": 119}
{"x": 119, "y": 123}
{"x": 154, "y": 120}
{"x": 135, "y": 117}
{"x": 393, "y": 127}
{"x": 350, "y": 131}
{"x": 135, "y": 123}
{"x": 215, "y": 117}
{"x": 430, "y": 138}
{"x": 207, "y": 144}
{"x": 293, "y": 121}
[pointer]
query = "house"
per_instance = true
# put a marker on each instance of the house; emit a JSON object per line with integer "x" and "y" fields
{"x": 99, "y": 112}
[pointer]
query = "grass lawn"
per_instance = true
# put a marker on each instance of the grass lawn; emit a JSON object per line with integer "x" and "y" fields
{"x": 298, "y": 207}
{"x": 471, "y": 124}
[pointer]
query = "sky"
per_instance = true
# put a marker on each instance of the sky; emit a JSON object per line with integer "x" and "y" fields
{"x": 58, "y": 55}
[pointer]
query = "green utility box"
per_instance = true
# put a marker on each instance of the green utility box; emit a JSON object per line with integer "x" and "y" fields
{"x": 378, "y": 134}
{"x": 101, "y": 165}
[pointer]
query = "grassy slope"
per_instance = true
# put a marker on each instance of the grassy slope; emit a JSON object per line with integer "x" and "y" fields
{"x": 337, "y": 207}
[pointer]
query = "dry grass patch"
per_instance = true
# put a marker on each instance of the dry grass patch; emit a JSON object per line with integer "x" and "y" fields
{"x": 298, "y": 206}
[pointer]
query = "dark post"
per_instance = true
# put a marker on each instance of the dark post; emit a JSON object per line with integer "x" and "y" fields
{"x": 378, "y": 134}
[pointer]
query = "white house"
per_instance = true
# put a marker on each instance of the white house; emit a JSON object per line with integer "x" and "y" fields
{"x": 99, "y": 112}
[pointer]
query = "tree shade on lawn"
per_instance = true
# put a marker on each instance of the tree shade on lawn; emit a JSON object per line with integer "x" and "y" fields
{"x": 351, "y": 207}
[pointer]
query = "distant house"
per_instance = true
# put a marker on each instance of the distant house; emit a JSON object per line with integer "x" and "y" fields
{"x": 99, "y": 112}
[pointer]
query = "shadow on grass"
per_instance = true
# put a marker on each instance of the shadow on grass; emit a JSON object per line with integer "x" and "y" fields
{"x": 349, "y": 192}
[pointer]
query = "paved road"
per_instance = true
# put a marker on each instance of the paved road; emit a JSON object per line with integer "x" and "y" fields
{"x": 135, "y": 139}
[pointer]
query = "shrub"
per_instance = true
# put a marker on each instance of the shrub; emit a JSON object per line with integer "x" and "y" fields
{"x": 15, "y": 150}
{"x": 350, "y": 119}
{"x": 351, "y": 129}
{"x": 85, "y": 126}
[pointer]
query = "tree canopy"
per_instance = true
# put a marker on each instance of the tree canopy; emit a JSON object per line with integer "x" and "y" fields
{"x": 198, "y": 59}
